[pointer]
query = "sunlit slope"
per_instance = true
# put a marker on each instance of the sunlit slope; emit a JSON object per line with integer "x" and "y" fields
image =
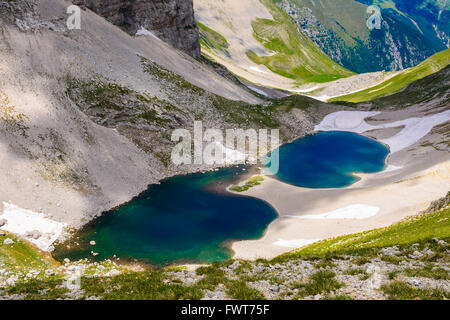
{"x": 415, "y": 229}
{"x": 296, "y": 56}
{"x": 431, "y": 65}
{"x": 258, "y": 41}
{"x": 409, "y": 32}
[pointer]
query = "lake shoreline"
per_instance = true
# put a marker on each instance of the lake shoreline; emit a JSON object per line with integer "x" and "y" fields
{"x": 413, "y": 177}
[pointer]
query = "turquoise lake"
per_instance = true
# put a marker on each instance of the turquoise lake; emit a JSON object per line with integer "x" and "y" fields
{"x": 192, "y": 218}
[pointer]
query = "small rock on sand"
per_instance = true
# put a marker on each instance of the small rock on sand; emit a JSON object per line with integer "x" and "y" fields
{"x": 35, "y": 234}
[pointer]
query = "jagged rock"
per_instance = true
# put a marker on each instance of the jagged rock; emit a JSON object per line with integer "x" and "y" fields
{"x": 391, "y": 251}
{"x": 172, "y": 21}
{"x": 440, "y": 242}
{"x": 3, "y": 222}
{"x": 218, "y": 294}
{"x": 439, "y": 204}
{"x": 24, "y": 15}
{"x": 234, "y": 265}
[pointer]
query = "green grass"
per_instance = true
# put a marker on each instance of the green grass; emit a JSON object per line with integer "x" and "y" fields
{"x": 402, "y": 291}
{"x": 429, "y": 271}
{"x": 254, "y": 181}
{"x": 99, "y": 98}
{"x": 22, "y": 256}
{"x": 415, "y": 229}
{"x": 159, "y": 284}
{"x": 398, "y": 82}
{"x": 296, "y": 56}
{"x": 212, "y": 40}
{"x": 321, "y": 282}
{"x": 237, "y": 289}
{"x": 148, "y": 285}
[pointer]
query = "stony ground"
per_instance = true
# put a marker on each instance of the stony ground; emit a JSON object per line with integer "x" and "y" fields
{"x": 412, "y": 271}
{"x": 391, "y": 272}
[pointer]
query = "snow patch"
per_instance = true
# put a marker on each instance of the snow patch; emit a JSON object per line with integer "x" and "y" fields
{"x": 258, "y": 91}
{"x": 391, "y": 167}
{"x": 144, "y": 32}
{"x": 347, "y": 121}
{"x": 414, "y": 128}
{"x": 305, "y": 90}
{"x": 257, "y": 69}
{"x": 21, "y": 221}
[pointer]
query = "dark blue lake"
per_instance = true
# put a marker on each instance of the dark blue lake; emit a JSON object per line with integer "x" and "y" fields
{"x": 184, "y": 219}
{"x": 329, "y": 159}
{"x": 193, "y": 218}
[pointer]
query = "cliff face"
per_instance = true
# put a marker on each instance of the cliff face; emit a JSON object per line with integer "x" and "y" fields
{"x": 171, "y": 20}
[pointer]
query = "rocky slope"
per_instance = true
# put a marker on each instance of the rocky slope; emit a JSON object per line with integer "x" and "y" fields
{"x": 83, "y": 131}
{"x": 399, "y": 81}
{"x": 258, "y": 41}
{"x": 172, "y": 21}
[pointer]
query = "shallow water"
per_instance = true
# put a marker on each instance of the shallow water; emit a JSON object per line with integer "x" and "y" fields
{"x": 191, "y": 218}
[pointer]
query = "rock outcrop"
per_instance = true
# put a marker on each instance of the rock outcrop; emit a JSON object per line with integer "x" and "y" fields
{"x": 439, "y": 204}
{"x": 171, "y": 20}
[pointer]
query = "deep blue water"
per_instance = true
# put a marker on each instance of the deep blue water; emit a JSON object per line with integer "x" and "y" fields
{"x": 185, "y": 218}
{"x": 329, "y": 159}
{"x": 191, "y": 218}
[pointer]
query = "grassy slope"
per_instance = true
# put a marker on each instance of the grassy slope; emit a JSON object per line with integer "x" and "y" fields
{"x": 212, "y": 40}
{"x": 346, "y": 23}
{"x": 416, "y": 229}
{"x": 297, "y": 57}
{"x": 362, "y": 248}
{"x": 22, "y": 257}
{"x": 431, "y": 65}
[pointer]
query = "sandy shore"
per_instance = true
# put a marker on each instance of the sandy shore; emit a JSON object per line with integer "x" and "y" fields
{"x": 415, "y": 175}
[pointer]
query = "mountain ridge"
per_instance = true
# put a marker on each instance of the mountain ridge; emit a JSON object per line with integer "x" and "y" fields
{"x": 339, "y": 28}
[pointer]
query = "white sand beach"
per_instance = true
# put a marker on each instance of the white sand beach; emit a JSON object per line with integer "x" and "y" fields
{"x": 415, "y": 175}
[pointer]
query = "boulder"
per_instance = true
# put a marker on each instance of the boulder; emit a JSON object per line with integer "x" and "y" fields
{"x": 35, "y": 234}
